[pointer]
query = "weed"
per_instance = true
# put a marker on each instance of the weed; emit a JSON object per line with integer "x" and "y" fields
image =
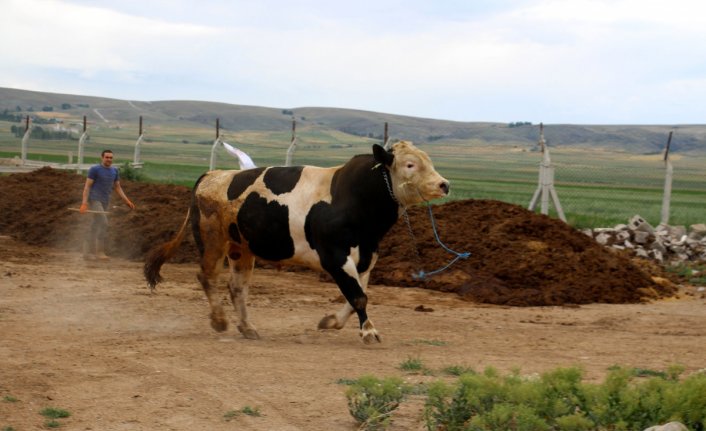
{"x": 52, "y": 424}
{"x": 8, "y": 428}
{"x": 371, "y": 401}
{"x": 412, "y": 364}
{"x": 457, "y": 370}
{"x": 250, "y": 411}
{"x": 10, "y": 399}
{"x": 54, "y": 413}
{"x": 247, "y": 410}
{"x": 346, "y": 382}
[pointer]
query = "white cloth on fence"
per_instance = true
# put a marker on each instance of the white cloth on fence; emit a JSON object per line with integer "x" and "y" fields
{"x": 244, "y": 160}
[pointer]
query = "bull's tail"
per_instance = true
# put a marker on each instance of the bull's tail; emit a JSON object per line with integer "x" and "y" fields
{"x": 158, "y": 255}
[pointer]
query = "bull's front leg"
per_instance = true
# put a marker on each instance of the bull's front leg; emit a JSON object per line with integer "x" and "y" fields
{"x": 348, "y": 280}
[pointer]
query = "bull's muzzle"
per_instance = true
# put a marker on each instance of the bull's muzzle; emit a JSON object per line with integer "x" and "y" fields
{"x": 445, "y": 186}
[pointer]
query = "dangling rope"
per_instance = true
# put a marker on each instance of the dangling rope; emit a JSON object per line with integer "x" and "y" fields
{"x": 421, "y": 275}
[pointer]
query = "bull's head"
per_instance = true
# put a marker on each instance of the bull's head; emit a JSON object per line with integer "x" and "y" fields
{"x": 412, "y": 174}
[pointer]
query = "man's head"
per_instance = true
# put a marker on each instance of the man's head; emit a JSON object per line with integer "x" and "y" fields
{"x": 107, "y": 158}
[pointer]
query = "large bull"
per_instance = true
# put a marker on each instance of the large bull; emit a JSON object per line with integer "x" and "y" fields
{"x": 329, "y": 219}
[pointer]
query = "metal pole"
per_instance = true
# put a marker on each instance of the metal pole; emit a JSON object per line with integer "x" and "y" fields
{"x": 386, "y": 138}
{"x": 667, "y": 195}
{"x": 212, "y": 163}
{"x": 25, "y": 141}
{"x": 81, "y": 143}
{"x": 292, "y": 145}
{"x": 138, "y": 144}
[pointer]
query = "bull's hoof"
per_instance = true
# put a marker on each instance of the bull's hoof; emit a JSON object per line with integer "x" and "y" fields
{"x": 249, "y": 333}
{"x": 329, "y": 322}
{"x": 219, "y": 322}
{"x": 369, "y": 334}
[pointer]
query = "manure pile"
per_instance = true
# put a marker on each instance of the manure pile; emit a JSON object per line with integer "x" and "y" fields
{"x": 517, "y": 257}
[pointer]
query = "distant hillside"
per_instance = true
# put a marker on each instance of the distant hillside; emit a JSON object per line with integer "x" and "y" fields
{"x": 639, "y": 139}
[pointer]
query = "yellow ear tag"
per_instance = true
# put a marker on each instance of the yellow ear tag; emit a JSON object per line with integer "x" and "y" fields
{"x": 376, "y": 166}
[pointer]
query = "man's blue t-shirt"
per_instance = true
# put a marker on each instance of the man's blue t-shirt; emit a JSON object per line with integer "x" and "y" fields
{"x": 103, "y": 180}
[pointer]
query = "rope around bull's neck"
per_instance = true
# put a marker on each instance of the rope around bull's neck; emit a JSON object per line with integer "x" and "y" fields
{"x": 421, "y": 275}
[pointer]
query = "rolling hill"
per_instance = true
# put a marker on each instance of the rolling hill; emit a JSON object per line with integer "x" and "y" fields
{"x": 646, "y": 139}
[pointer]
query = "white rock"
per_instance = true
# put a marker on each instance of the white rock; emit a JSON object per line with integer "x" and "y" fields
{"x": 641, "y": 237}
{"x": 638, "y": 223}
{"x": 602, "y": 238}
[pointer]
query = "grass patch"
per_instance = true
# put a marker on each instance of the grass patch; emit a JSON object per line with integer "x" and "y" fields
{"x": 54, "y": 413}
{"x": 10, "y": 399}
{"x": 247, "y": 410}
{"x": 411, "y": 364}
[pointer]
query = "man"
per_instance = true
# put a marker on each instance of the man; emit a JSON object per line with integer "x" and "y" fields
{"x": 101, "y": 181}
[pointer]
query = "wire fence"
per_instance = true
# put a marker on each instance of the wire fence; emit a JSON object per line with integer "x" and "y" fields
{"x": 599, "y": 188}
{"x": 621, "y": 187}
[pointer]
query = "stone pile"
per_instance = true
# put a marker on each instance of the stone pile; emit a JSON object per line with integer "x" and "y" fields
{"x": 664, "y": 244}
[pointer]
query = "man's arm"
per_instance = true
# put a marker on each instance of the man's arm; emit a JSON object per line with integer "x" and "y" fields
{"x": 119, "y": 190}
{"x": 86, "y": 192}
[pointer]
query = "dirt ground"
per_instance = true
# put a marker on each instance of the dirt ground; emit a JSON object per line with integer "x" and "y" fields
{"x": 89, "y": 338}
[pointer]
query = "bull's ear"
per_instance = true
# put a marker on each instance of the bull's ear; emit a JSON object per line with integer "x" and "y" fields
{"x": 382, "y": 156}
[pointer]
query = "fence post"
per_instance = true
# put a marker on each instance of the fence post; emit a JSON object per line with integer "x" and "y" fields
{"x": 667, "y": 195}
{"x": 292, "y": 145}
{"x": 81, "y": 143}
{"x": 25, "y": 141}
{"x": 545, "y": 188}
{"x": 212, "y": 164}
{"x": 136, "y": 157}
{"x": 386, "y": 139}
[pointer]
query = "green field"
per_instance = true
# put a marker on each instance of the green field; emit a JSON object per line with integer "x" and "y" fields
{"x": 597, "y": 188}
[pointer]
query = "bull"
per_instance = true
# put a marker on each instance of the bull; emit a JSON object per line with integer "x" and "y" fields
{"x": 328, "y": 219}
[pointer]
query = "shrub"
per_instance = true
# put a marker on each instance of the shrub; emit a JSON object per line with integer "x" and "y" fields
{"x": 127, "y": 172}
{"x": 558, "y": 400}
{"x": 372, "y": 400}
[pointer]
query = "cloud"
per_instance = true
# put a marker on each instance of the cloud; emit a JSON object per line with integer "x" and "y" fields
{"x": 535, "y": 60}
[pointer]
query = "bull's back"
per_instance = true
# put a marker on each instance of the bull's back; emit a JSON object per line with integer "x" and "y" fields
{"x": 264, "y": 209}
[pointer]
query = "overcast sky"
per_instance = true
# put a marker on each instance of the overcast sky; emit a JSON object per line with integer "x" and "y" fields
{"x": 587, "y": 62}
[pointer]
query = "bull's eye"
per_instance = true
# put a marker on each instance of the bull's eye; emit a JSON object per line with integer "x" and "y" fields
{"x": 410, "y": 165}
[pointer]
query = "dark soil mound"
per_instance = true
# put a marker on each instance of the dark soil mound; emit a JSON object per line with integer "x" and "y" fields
{"x": 517, "y": 257}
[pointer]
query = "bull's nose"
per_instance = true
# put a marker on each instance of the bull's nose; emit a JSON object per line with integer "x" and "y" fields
{"x": 445, "y": 186}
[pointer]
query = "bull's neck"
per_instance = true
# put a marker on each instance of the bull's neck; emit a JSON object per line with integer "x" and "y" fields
{"x": 361, "y": 186}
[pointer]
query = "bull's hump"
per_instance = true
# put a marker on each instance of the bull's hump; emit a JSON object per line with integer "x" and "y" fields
{"x": 241, "y": 181}
{"x": 280, "y": 180}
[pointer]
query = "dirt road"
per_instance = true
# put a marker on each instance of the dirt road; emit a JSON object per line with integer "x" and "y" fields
{"x": 91, "y": 339}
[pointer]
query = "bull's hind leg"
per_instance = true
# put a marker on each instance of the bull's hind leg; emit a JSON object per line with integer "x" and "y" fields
{"x": 352, "y": 286}
{"x": 211, "y": 263}
{"x": 240, "y": 275}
